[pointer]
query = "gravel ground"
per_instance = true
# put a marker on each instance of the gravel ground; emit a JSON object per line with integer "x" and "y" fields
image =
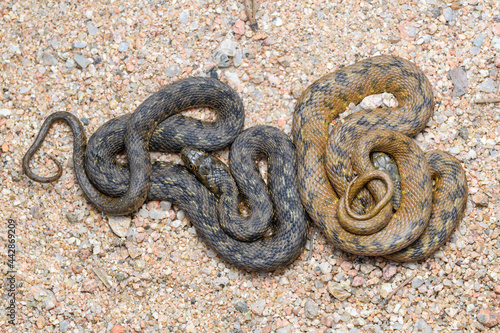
{"x": 101, "y": 59}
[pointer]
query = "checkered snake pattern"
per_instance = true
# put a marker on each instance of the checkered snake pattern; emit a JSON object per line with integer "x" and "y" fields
{"x": 319, "y": 170}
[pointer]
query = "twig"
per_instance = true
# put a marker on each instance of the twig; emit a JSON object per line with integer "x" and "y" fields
{"x": 250, "y": 9}
{"x": 386, "y": 300}
{"x": 487, "y": 100}
{"x": 311, "y": 245}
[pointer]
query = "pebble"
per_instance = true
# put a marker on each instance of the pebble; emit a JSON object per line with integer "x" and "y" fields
{"x": 357, "y": 281}
{"x": 480, "y": 199}
{"x": 173, "y": 70}
{"x": 495, "y": 41}
{"x": 488, "y": 318}
{"x": 165, "y": 205}
{"x": 459, "y": 77}
{"x": 417, "y": 282}
{"x": 221, "y": 59}
{"x": 448, "y": 14}
{"x": 258, "y": 307}
{"x": 311, "y": 309}
{"x": 238, "y": 58}
{"x": 338, "y": 291}
{"x": 82, "y": 61}
{"x": 64, "y": 326}
{"x": 241, "y": 307}
{"x": 389, "y": 271}
{"x": 184, "y": 17}
{"x": 487, "y": 86}
{"x": 71, "y": 217}
{"x": 158, "y": 214}
{"x": 239, "y": 27}
{"x": 48, "y": 59}
{"x": 79, "y": 44}
{"x": 474, "y": 50}
{"x": 479, "y": 40}
{"x": 123, "y": 47}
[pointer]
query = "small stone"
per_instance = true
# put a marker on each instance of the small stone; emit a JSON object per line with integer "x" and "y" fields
{"x": 238, "y": 58}
{"x": 269, "y": 41}
{"x": 82, "y": 61}
{"x": 221, "y": 59}
{"x": 389, "y": 271}
{"x": 325, "y": 267}
{"x": 311, "y": 309}
{"x": 357, "y": 281}
{"x": 176, "y": 223}
{"x": 233, "y": 77}
{"x": 71, "y": 217}
{"x": 113, "y": 104}
{"x": 278, "y": 22}
{"x": 239, "y": 27}
{"x": 474, "y": 50}
{"x": 488, "y": 318}
{"x": 89, "y": 285}
{"x": 117, "y": 329}
{"x": 92, "y": 29}
{"x": 496, "y": 29}
{"x": 495, "y": 41}
{"x": 165, "y": 205}
{"x": 48, "y": 59}
{"x": 45, "y": 297}
{"x": 130, "y": 67}
{"x": 454, "y": 150}
{"x": 421, "y": 326}
{"x": 181, "y": 215}
{"x": 23, "y": 90}
{"x": 337, "y": 291}
{"x": 119, "y": 224}
{"x": 5, "y": 112}
{"x": 63, "y": 326}
{"x": 157, "y": 214}
{"x": 79, "y": 44}
{"x": 258, "y": 307}
{"x": 448, "y": 14}
{"x": 487, "y": 86}
{"x": 134, "y": 252}
{"x": 184, "y": 17}
{"x": 417, "y": 282}
{"x": 479, "y": 40}
{"x": 173, "y": 70}
{"x": 123, "y": 47}
{"x": 464, "y": 133}
{"x": 480, "y": 199}
{"x": 471, "y": 154}
{"x": 241, "y": 307}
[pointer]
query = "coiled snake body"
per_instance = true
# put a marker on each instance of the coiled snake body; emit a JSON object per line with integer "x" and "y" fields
{"x": 362, "y": 133}
{"x": 119, "y": 189}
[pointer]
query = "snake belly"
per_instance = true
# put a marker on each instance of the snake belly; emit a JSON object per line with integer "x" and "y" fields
{"x": 326, "y": 169}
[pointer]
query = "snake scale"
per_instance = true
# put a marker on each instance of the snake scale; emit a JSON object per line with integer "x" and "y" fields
{"x": 210, "y": 199}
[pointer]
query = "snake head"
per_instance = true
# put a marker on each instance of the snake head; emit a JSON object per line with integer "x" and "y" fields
{"x": 207, "y": 168}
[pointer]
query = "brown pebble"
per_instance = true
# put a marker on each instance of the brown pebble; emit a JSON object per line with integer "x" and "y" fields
{"x": 480, "y": 199}
{"x": 389, "y": 271}
{"x": 239, "y": 27}
{"x": 357, "y": 281}
{"x": 117, "y": 329}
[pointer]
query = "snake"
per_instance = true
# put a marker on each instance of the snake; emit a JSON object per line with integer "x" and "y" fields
{"x": 158, "y": 125}
{"x": 334, "y": 163}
